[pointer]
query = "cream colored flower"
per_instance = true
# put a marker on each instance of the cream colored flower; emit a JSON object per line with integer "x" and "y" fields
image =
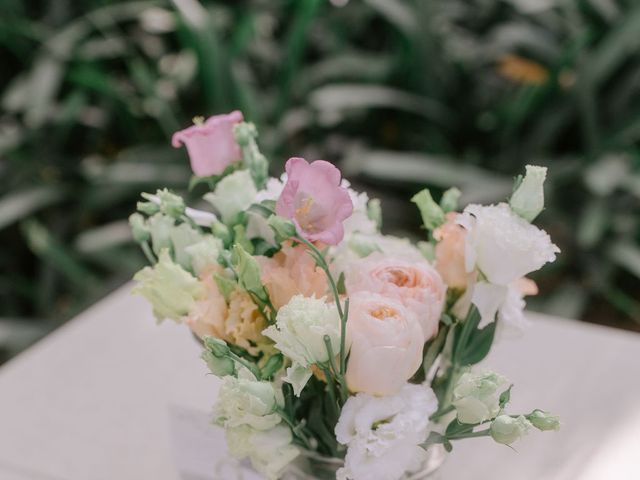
{"x": 270, "y": 451}
{"x": 171, "y": 290}
{"x": 386, "y": 344}
{"x": 246, "y": 401}
{"x": 299, "y": 332}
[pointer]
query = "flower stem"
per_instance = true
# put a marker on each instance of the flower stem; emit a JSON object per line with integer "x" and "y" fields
{"x": 343, "y": 313}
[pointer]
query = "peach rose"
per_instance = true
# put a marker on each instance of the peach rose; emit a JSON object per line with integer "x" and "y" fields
{"x": 386, "y": 344}
{"x": 417, "y": 285}
{"x": 291, "y": 272}
{"x": 450, "y": 253}
{"x": 238, "y": 322}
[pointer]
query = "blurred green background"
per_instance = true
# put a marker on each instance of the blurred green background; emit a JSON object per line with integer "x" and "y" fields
{"x": 399, "y": 93}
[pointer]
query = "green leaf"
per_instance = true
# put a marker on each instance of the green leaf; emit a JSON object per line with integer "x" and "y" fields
{"x": 455, "y": 428}
{"x": 342, "y": 289}
{"x": 273, "y": 365}
{"x": 479, "y": 345}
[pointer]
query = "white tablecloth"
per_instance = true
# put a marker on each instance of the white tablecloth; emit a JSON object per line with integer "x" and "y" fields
{"x": 112, "y": 396}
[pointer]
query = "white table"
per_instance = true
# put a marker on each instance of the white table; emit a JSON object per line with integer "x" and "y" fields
{"x": 107, "y": 395}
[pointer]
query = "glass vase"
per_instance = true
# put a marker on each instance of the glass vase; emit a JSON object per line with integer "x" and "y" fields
{"x": 311, "y": 466}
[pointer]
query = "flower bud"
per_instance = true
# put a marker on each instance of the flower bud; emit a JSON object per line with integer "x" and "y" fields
{"x": 170, "y": 203}
{"x": 216, "y": 357}
{"x": 374, "y": 211}
{"x": 160, "y": 227}
{"x": 244, "y": 132}
{"x": 449, "y": 200}
{"x": 139, "y": 229}
{"x": 476, "y": 396}
{"x": 432, "y": 214}
{"x": 506, "y": 429}
{"x": 528, "y": 198}
{"x": 148, "y": 208}
{"x": 248, "y": 271}
{"x": 544, "y": 421}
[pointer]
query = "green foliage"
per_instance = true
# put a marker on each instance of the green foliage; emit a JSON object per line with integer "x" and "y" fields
{"x": 403, "y": 94}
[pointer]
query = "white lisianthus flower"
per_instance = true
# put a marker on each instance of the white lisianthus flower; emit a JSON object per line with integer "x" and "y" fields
{"x": 505, "y": 301}
{"x": 506, "y": 429}
{"x": 502, "y": 245}
{"x": 476, "y": 396}
{"x": 270, "y": 451}
{"x": 171, "y": 290}
{"x": 383, "y": 434}
{"x": 359, "y": 220}
{"x": 299, "y": 332}
{"x": 272, "y": 189}
{"x": 246, "y": 401}
{"x": 233, "y": 194}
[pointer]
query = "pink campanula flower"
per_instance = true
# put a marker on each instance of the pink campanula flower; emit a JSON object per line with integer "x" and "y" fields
{"x": 211, "y": 145}
{"x": 314, "y": 200}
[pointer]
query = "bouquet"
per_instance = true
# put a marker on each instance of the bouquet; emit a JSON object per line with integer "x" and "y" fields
{"x": 342, "y": 352}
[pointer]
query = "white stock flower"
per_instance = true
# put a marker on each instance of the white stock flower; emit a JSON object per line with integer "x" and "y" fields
{"x": 383, "y": 434}
{"x": 299, "y": 332}
{"x": 246, "y": 401}
{"x": 270, "y": 451}
{"x": 502, "y": 245}
{"x": 476, "y": 396}
{"x": 233, "y": 194}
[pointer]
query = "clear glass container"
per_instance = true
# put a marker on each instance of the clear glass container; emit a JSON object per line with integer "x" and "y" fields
{"x": 310, "y": 466}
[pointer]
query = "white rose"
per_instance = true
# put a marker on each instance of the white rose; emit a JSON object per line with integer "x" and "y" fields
{"x": 476, "y": 396}
{"x": 299, "y": 332}
{"x": 502, "y": 245}
{"x": 233, "y": 194}
{"x": 246, "y": 401}
{"x": 270, "y": 451}
{"x": 383, "y": 434}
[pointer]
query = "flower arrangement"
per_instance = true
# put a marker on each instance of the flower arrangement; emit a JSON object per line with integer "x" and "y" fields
{"x": 339, "y": 346}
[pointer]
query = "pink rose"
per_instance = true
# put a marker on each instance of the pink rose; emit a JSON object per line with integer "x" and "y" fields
{"x": 417, "y": 285}
{"x": 290, "y": 272}
{"x": 211, "y": 145}
{"x": 450, "y": 253}
{"x": 314, "y": 200}
{"x": 386, "y": 344}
